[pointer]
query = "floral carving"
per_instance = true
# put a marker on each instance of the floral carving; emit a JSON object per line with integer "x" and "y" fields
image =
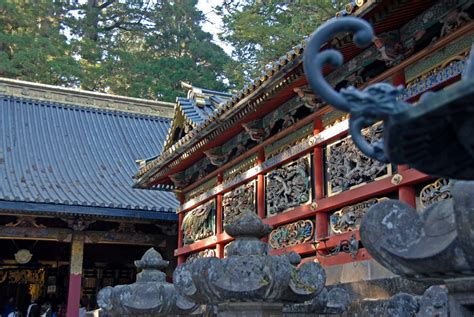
{"x": 291, "y": 234}
{"x": 208, "y": 253}
{"x": 199, "y": 223}
{"x": 288, "y": 186}
{"x": 349, "y": 217}
{"x": 434, "y": 192}
{"x": 238, "y": 201}
{"x": 348, "y": 167}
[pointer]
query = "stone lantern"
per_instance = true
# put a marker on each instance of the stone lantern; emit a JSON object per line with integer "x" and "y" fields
{"x": 151, "y": 295}
{"x": 249, "y": 282}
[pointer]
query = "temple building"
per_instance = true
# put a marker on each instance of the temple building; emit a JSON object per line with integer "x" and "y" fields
{"x": 275, "y": 149}
{"x": 70, "y": 222}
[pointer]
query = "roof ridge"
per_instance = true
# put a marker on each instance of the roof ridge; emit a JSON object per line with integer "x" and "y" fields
{"x": 89, "y": 99}
{"x": 73, "y": 106}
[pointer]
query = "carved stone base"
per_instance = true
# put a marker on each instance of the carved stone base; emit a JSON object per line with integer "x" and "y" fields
{"x": 461, "y": 296}
{"x": 251, "y": 309}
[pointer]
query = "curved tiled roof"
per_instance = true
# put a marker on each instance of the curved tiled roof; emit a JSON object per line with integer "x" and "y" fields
{"x": 192, "y": 141}
{"x": 62, "y": 155}
{"x": 229, "y": 106}
{"x": 196, "y": 108}
{"x": 200, "y": 104}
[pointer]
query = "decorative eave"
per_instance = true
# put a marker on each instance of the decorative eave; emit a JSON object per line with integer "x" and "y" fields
{"x": 227, "y": 110}
{"x": 49, "y": 93}
{"x": 179, "y": 120}
{"x": 356, "y": 8}
{"x": 196, "y": 97}
{"x": 253, "y": 94}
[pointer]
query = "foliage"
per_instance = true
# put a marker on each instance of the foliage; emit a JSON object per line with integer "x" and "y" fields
{"x": 262, "y": 30}
{"x": 32, "y": 46}
{"x": 139, "y": 48}
{"x": 144, "y": 48}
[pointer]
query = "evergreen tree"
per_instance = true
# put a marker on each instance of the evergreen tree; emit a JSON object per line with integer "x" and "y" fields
{"x": 32, "y": 46}
{"x": 145, "y": 48}
{"x": 139, "y": 48}
{"x": 262, "y": 30}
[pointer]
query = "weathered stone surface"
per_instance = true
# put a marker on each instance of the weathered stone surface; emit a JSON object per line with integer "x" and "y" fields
{"x": 151, "y": 295}
{"x": 250, "y": 309}
{"x": 426, "y": 245}
{"x": 401, "y": 305}
{"x": 434, "y": 302}
{"x": 333, "y": 301}
{"x": 248, "y": 274}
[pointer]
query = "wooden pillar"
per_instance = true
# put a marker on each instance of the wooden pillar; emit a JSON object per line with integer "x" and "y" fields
{"x": 75, "y": 274}
{"x": 219, "y": 218}
{"x": 399, "y": 78}
{"x": 261, "y": 186}
{"x": 322, "y": 220}
{"x": 181, "y": 258}
{"x": 406, "y": 194}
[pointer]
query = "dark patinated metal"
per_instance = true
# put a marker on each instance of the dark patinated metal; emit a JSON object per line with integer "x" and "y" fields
{"x": 434, "y": 136}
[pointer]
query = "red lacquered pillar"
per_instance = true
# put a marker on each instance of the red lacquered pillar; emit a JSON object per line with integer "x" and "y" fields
{"x": 75, "y": 274}
{"x": 181, "y": 258}
{"x": 406, "y": 194}
{"x": 322, "y": 221}
{"x": 219, "y": 218}
{"x": 180, "y": 196}
{"x": 261, "y": 186}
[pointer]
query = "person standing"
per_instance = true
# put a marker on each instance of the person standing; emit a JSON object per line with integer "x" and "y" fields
{"x": 9, "y": 307}
{"x": 33, "y": 310}
{"x": 14, "y": 313}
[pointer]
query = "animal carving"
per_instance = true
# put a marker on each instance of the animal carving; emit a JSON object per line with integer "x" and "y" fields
{"x": 197, "y": 223}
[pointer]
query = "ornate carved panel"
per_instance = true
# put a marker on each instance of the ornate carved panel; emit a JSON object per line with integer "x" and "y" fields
{"x": 332, "y": 118}
{"x": 288, "y": 141}
{"x": 434, "y": 192}
{"x": 208, "y": 253}
{"x": 288, "y": 186}
{"x": 238, "y": 201}
{"x": 348, "y": 167}
{"x": 291, "y": 234}
{"x": 443, "y": 11}
{"x": 199, "y": 223}
{"x": 201, "y": 189}
{"x": 23, "y": 276}
{"x": 349, "y": 217}
{"x": 240, "y": 167}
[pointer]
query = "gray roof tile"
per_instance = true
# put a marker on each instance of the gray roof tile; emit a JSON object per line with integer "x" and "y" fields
{"x": 69, "y": 155}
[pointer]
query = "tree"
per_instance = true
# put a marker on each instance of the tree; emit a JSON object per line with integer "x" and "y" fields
{"x": 32, "y": 46}
{"x": 145, "y": 48}
{"x": 139, "y": 48}
{"x": 261, "y": 31}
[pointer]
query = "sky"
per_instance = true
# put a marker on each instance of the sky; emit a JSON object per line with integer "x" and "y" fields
{"x": 214, "y": 22}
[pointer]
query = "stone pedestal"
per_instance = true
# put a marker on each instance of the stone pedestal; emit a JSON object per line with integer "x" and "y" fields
{"x": 461, "y": 296}
{"x": 250, "y": 309}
